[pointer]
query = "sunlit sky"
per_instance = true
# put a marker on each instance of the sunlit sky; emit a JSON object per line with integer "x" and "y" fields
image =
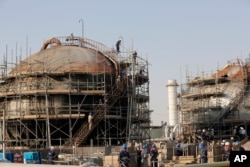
{"x": 179, "y": 38}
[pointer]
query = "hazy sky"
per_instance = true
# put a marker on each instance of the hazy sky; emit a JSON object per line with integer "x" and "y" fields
{"x": 179, "y": 38}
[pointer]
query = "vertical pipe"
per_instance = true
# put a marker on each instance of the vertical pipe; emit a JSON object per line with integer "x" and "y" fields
{"x": 1, "y": 132}
{"x": 47, "y": 114}
{"x": 105, "y": 105}
{"x": 4, "y": 156}
{"x": 70, "y": 105}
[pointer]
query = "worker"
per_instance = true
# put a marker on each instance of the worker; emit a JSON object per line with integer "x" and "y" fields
{"x": 90, "y": 118}
{"x": 138, "y": 155}
{"x": 240, "y": 148}
{"x": 118, "y": 80}
{"x": 51, "y": 155}
{"x": 204, "y": 135}
{"x": 212, "y": 134}
{"x": 134, "y": 54}
{"x": 154, "y": 155}
{"x": 232, "y": 140}
{"x": 124, "y": 157}
{"x": 144, "y": 155}
{"x": 172, "y": 135}
{"x": 123, "y": 73}
{"x": 118, "y": 44}
{"x": 178, "y": 148}
{"x": 227, "y": 149}
{"x": 203, "y": 152}
{"x": 242, "y": 133}
{"x": 223, "y": 142}
{"x": 235, "y": 132}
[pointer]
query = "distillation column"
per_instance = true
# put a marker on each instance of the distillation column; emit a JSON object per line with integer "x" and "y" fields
{"x": 173, "y": 115}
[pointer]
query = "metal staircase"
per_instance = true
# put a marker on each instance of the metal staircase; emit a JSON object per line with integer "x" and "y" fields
{"x": 98, "y": 114}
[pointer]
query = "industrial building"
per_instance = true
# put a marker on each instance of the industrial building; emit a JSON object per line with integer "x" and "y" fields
{"x": 216, "y": 102}
{"x": 47, "y": 97}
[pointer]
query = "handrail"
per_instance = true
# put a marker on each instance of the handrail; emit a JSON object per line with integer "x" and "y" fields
{"x": 86, "y": 43}
{"x": 98, "y": 114}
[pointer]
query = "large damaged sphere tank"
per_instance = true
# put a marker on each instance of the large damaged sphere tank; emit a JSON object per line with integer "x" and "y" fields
{"x": 73, "y": 91}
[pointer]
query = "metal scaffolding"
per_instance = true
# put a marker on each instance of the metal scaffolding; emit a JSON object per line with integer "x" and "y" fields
{"x": 217, "y": 101}
{"x": 45, "y": 99}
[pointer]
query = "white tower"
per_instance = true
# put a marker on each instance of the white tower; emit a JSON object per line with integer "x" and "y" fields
{"x": 172, "y": 103}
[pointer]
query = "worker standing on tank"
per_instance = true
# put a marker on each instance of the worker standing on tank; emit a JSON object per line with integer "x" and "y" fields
{"x": 118, "y": 44}
{"x": 90, "y": 118}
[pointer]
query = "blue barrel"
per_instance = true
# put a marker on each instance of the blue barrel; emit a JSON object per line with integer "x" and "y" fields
{"x": 32, "y": 157}
{"x": 8, "y": 155}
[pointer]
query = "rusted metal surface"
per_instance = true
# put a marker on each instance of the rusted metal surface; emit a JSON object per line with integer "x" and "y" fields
{"x": 50, "y": 41}
{"x": 61, "y": 59}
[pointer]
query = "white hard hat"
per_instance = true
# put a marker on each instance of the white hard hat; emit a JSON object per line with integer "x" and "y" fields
{"x": 227, "y": 144}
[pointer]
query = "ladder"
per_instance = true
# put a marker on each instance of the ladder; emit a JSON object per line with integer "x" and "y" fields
{"x": 98, "y": 114}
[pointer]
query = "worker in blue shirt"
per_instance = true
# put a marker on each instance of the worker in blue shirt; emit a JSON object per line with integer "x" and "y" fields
{"x": 124, "y": 157}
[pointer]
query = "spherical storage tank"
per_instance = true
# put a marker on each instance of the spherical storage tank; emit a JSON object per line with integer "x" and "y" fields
{"x": 59, "y": 68}
{"x": 58, "y": 86}
{"x": 63, "y": 58}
